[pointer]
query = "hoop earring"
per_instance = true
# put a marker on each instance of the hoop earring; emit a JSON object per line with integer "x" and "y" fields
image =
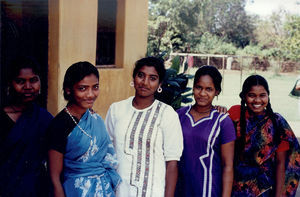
{"x": 159, "y": 89}
{"x": 131, "y": 84}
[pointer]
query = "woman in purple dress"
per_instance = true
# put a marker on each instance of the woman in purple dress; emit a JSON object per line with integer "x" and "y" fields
{"x": 206, "y": 165}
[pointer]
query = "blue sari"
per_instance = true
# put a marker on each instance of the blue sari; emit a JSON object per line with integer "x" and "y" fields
{"x": 23, "y": 155}
{"x": 90, "y": 160}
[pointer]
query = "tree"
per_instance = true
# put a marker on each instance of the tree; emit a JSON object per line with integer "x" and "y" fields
{"x": 232, "y": 22}
{"x": 180, "y": 24}
{"x": 291, "y": 42}
{"x": 269, "y": 32}
{"x": 279, "y": 36}
{"x": 213, "y": 44}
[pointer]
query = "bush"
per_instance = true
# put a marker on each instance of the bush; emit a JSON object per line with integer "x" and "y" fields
{"x": 174, "y": 86}
{"x": 214, "y": 45}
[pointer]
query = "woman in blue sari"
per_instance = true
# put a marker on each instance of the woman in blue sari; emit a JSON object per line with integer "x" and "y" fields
{"x": 82, "y": 160}
{"x": 22, "y": 137}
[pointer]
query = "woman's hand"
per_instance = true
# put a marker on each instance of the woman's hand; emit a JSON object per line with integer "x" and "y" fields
{"x": 55, "y": 167}
{"x": 280, "y": 172}
{"x": 227, "y": 153}
{"x": 221, "y": 109}
{"x": 171, "y": 178}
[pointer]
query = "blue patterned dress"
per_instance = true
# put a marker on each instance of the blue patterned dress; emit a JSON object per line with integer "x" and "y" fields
{"x": 90, "y": 160}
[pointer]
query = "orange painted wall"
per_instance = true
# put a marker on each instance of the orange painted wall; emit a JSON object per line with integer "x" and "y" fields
{"x": 72, "y": 38}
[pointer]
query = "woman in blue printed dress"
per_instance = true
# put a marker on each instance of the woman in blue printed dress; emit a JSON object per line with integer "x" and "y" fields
{"x": 79, "y": 146}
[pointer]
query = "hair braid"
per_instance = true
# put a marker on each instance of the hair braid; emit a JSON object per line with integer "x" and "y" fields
{"x": 277, "y": 130}
{"x": 251, "y": 81}
{"x": 240, "y": 143}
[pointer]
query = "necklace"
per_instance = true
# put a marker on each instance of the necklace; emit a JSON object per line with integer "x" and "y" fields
{"x": 81, "y": 129}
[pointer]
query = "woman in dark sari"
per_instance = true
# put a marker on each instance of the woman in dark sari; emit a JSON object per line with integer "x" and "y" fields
{"x": 22, "y": 136}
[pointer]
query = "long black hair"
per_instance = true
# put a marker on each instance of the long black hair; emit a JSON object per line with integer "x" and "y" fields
{"x": 255, "y": 80}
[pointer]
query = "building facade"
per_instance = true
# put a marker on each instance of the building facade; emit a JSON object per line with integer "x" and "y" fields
{"x": 73, "y": 35}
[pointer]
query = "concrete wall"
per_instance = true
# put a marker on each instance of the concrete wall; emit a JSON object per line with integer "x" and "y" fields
{"x": 72, "y": 38}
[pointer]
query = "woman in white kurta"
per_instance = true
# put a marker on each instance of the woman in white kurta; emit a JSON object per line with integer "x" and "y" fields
{"x": 147, "y": 136}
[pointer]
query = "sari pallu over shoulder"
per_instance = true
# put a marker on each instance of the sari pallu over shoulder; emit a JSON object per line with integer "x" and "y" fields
{"x": 90, "y": 155}
{"x": 255, "y": 171}
{"x": 292, "y": 164}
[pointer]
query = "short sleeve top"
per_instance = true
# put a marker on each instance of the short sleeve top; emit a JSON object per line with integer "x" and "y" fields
{"x": 58, "y": 131}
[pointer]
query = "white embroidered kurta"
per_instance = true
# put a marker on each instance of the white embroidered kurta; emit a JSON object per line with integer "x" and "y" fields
{"x": 144, "y": 140}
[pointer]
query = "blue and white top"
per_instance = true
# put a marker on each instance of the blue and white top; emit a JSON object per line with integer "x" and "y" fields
{"x": 89, "y": 158}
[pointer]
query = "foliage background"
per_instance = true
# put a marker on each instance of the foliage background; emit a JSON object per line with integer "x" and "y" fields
{"x": 224, "y": 27}
{"x": 221, "y": 27}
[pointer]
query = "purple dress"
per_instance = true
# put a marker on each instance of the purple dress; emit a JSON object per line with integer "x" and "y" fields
{"x": 200, "y": 171}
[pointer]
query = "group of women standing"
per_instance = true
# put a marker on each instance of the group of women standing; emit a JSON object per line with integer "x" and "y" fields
{"x": 144, "y": 148}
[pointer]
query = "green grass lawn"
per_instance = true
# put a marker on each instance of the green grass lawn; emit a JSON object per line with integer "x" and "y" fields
{"x": 280, "y": 87}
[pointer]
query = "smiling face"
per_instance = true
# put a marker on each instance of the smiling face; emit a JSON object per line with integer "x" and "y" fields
{"x": 85, "y": 92}
{"x": 26, "y": 85}
{"x": 257, "y": 99}
{"x": 146, "y": 82}
{"x": 204, "y": 91}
